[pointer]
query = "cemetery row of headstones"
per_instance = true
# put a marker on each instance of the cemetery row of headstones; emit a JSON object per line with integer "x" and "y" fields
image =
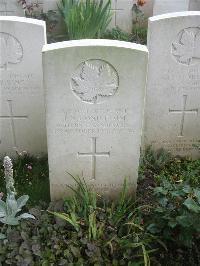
{"x": 123, "y": 14}
{"x": 122, "y": 10}
{"x": 95, "y": 100}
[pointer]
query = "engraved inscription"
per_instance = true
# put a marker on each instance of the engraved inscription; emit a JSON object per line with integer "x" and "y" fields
{"x": 11, "y": 50}
{"x": 95, "y": 121}
{"x": 93, "y": 155}
{"x": 19, "y": 84}
{"x": 94, "y": 81}
{"x": 186, "y": 47}
{"x": 183, "y": 112}
{"x": 12, "y": 117}
{"x": 181, "y": 145}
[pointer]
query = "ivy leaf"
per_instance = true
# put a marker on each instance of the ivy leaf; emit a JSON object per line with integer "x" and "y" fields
{"x": 191, "y": 205}
{"x": 2, "y": 236}
{"x": 197, "y": 195}
{"x": 187, "y": 189}
{"x": 184, "y": 220}
{"x": 152, "y": 228}
{"x": 160, "y": 190}
{"x": 172, "y": 223}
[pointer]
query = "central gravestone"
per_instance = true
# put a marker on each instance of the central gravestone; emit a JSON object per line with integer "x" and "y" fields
{"x": 95, "y": 95}
{"x": 173, "y": 88}
{"x": 22, "y": 119}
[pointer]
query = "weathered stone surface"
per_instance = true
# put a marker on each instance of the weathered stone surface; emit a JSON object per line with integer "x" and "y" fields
{"x": 194, "y": 5}
{"x": 168, "y": 6}
{"x": 173, "y": 89}
{"x": 95, "y": 94}
{"x": 11, "y": 8}
{"x": 122, "y": 14}
{"x": 22, "y": 119}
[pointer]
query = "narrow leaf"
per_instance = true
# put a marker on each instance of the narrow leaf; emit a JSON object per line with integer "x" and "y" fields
{"x": 26, "y": 216}
{"x": 22, "y": 201}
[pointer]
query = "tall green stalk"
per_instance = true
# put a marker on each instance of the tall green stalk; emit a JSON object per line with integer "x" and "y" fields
{"x": 86, "y": 19}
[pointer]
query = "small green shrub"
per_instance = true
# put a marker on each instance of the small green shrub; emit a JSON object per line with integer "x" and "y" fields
{"x": 139, "y": 35}
{"x": 154, "y": 161}
{"x": 117, "y": 34}
{"x": 176, "y": 217}
{"x": 180, "y": 170}
{"x": 85, "y": 19}
{"x": 116, "y": 227}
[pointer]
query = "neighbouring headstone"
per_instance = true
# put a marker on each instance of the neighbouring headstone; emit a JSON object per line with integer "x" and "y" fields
{"x": 22, "y": 119}
{"x": 11, "y": 8}
{"x": 194, "y": 5}
{"x": 95, "y": 94}
{"x": 168, "y": 6}
{"x": 173, "y": 88}
{"x": 122, "y": 14}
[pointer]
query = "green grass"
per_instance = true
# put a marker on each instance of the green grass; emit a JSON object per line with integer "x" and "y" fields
{"x": 31, "y": 177}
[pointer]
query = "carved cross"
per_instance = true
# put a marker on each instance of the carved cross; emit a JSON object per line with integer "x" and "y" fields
{"x": 183, "y": 112}
{"x": 12, "y": 118}
{"x": 93, "y": 155}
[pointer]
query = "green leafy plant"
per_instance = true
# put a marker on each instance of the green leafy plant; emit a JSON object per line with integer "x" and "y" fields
{"x": 117, "y": 34}
{"x": 154, "y": 161}
{"x": 180, "y": 170}
{"x": 81, "y": 208}
{"x": 10, "y": 208}
{"x": 85, "y": 19}
{"x": 139, "y": 28}
{"x": 110, "y": 227}
{"x": 177, "y": 214}
{"x": 31, "y": 175}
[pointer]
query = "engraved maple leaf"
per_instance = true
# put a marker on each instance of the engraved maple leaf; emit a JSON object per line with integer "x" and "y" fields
{"x": 95, "y": 82}
{"x": 11, "y": 50}
{"x": 185, "y": 48}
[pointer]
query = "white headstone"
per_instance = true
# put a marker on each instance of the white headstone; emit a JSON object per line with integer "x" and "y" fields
{"x": 168, "y": 6}
{"x": 122, "y": 14}
{"x": 11, "y": 8}
{"x": 95, "y": 95}
{"x": 22, "y": 119}
{"x": 194, "y": 5}
{"x": 172, "y": 105}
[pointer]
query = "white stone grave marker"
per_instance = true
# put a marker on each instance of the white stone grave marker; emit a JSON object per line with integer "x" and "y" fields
{"x": 122, "y": 14}
{"x": 173, "y": 89}
{"x": 95, "y": 94}
{"x": 194, "y": 5}
{"x": 22, "y": 119}
{"x": 11, "y": 8}
{"x": 168, "y": 6}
